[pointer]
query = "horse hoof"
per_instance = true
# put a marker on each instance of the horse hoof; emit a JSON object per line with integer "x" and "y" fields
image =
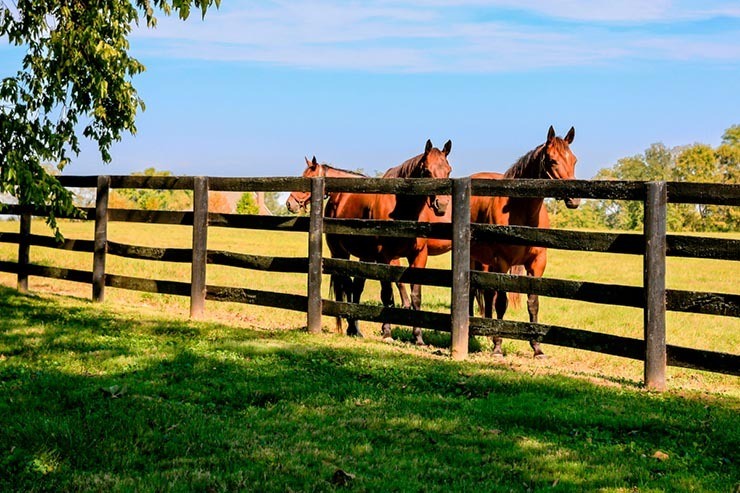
{"x": 541, "y": 356}
{"x": 498, "y": 356}
{"x": 388, "y": 340}
{"x": 420, "y": 342}
{"x": 355, "y": 334}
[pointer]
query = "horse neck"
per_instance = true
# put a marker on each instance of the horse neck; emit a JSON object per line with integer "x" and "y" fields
{"x": 407, "y": 206}
{"x": 528, "y": 166}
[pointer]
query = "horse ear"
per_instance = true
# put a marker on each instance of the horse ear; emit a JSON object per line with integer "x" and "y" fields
{"x": 550, "y": 134}
{"x": 308, "y": 163}
{"x": 447, "y": 148}
{"x": 314, "y": 162}
{"x": 571, "y": 135}
{"x": 428, "y": 146}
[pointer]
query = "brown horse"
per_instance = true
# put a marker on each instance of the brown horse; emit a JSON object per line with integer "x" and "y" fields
{"x": 298, "y": 202}
{"x": 551, "y": 160}
{"x": 432, "y": 163}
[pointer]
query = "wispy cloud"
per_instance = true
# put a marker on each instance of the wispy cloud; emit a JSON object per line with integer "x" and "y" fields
{"x": 443, "y": 35}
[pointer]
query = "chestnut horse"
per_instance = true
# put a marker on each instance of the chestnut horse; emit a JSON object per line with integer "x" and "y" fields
{"x": 432, "y": 163}
{"x": 298, "y": 202}
{"x": 551, "y": 160}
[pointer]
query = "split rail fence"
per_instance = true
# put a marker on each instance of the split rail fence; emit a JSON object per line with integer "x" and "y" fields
{"x": 653, "y": 244}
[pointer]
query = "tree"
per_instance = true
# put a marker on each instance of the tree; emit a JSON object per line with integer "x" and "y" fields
{"x": 75, "y": 82}
{"x": 247, "y": 204}
{"x": 149, "y": 199}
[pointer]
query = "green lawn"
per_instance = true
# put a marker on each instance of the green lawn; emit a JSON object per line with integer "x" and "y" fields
{"x": 118, "y": 397}
{"x": 700, "y": 331}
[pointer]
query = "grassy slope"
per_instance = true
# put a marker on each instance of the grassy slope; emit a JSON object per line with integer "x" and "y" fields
{"x": 212, "y": 407}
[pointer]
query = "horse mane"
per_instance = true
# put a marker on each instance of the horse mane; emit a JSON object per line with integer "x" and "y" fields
{"x": 523, "y": 167}
{"x": 405, "y": 169}
{"x": 355, "y": 173}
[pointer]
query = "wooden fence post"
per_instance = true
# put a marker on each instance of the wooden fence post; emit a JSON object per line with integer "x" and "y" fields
{"x": 654, "y": 285}
{"x": 200, "y": 247}
{"x": 101, "y": 238}
{"x": 24, "y": 251}
{"x": 460, "y": 266}
{"x": 315, "y": 244}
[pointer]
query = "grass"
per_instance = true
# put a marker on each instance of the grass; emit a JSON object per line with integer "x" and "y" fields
{"x": 689, "y": 330}
{"x": 112, "y": 397}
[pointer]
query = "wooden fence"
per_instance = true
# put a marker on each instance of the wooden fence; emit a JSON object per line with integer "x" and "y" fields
{"x": 653, "y": 244}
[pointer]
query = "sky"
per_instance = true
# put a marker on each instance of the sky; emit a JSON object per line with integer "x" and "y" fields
{"x": 257, "y": 85}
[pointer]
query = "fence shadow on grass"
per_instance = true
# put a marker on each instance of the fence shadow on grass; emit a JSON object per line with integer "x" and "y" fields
{"x": 92, "y": 400}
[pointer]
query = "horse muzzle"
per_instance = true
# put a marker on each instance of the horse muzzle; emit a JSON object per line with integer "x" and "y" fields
{"x": 294, "y": 205}
{"x": 440, "y": 206}
{"x": 572, "y": 203}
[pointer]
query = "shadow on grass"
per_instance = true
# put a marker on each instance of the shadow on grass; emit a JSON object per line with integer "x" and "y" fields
{"x": 97, "y": 401}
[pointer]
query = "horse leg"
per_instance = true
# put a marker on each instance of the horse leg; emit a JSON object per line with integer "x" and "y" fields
{"x": 536, "y": 269}
{"x": 337, "y": 283}
{"x": 386, "y": 297}
{"x": 501, "y": 302}
{"x": 402, "y": 293}
{"x": 355, "y": 292}
{"x": 418, "y": 261}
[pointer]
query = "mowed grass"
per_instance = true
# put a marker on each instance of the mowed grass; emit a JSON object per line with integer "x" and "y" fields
{"x": 123, "y": 397}
{"x": 689, "y": 330}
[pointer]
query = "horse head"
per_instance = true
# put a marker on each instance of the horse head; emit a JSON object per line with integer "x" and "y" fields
{"x": 433, "y": 164}
{"x": 297, "y": 200}
{"x": 559, "y": 163}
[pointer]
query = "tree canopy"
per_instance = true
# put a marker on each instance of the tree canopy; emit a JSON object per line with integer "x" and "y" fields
{"x": 75, "y": 82}
{"x": 691, "y": 163}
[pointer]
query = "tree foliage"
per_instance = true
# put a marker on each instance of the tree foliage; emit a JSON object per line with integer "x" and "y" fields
{"x": 247, "y": 204}
{"x": 75, "y": 82}
{"x": 150, "y": 199}
{"x": 693, "y": 163}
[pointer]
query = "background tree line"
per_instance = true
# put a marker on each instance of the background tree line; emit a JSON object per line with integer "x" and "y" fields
{"x": 691, "y": 163}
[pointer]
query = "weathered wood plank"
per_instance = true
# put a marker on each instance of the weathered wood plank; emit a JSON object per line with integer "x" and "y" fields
{"x": 72, "y": 181}
{"x": 9, "y": 267}
{"x": 597, "y": 189}
{"x": 101, "y": 238}
{"x": 724, "y": 304}
{"x": 702, "y": 247}
{"x": 176, "y": 288}
{"x": 393, "y": 273}
{"x": 153, "y": 182}
{"x": 559, "y": 336}
{"x": 401, "y": 316}
{"x": 158, "y": 217}
{"x": 14, "y": 238}
{"x": 75, "y": 245}
{"x": 654, "y": 282}
{"x": 460, "y": 292}
{"x": 396, "y": 228}
{"x": 703, "y": 360}
{"x": 60, "y": 273}
{"x": 285, "y": 301}
{"x": 200, "y": 247}
{"x": 628, "y": 243}
{"x": 592, "y": 292}
{"x": 273, "y": 184}
{"x": 253, "y": 221}
{"x": 703, "y": 193}
{"x": 181, "y": 255}
{"x": 24, "y": 252}
{"x": 315, "y": 244}
{"x": 405, "y": 186}
{"x": 259, "y": 262}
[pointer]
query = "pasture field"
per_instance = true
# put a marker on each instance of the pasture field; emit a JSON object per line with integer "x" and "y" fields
{"x": 700, "y": 331}
{"x": 128, "y": 397}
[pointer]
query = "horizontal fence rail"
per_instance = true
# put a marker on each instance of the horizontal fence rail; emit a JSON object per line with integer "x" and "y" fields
{"x": 676, "y": 245}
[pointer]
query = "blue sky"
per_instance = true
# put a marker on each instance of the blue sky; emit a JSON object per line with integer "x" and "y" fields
{"x": 258, "y": 85}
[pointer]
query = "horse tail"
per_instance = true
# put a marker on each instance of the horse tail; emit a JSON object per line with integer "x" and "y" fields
{"x": 516, "y": 298}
